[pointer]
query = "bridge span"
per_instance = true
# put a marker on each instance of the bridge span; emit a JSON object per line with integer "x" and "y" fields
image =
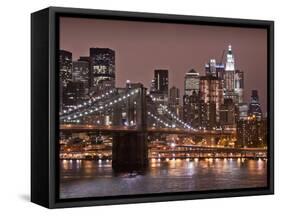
{"x": 126, "y": 129}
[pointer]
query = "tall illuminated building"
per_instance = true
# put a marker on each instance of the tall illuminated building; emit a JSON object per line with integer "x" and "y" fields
{"x": 229, "y": 71}
{"x": 65, "y": 65}
{"x": 174, "y": 96}
{"x": 160, "y": 89}
{"x": 191, "y": 82}
{"x": 254, "y": 106}
{"x": 212, "y": 94}
{"x": 229, "y": 77}
{"x": 230, "y": 62}
{"x": 174, "y": 101}
{"x": 73, "y": 94}
{"x": 243, "y": 111}
{"x": 161, "y": 81}
{"x": 239, "y": 85}
{"x": 195, "y": 110}
{"x": 251, "y": 133}
{"x": 65, "y": 73}
{"x": 193, "y": 106}
{"x": 102, "y": 66}
{"x": 152, "y": 86}
{"x": 214, "y": 69}
{"x": 227, "y": 114}
{"x": 80, "y": 72}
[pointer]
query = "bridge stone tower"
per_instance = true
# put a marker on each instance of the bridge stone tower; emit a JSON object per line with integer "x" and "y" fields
{"x": 130, "y": 151}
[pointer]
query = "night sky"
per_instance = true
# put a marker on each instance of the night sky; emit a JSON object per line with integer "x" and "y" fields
{"x": 141, "y": 47}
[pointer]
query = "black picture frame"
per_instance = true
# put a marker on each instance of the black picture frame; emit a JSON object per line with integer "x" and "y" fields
{"x": 44, "y": 108}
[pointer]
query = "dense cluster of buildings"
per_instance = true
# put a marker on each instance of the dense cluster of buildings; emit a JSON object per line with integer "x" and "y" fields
{"x": 213, "y": 101}
{"x": 78, "y": 79}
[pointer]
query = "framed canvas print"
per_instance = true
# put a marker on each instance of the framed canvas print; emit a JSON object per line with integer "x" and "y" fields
{"x": 139, "y": 107}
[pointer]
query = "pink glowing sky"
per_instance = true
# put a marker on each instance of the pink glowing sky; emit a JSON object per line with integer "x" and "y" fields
{"x": 141, "y": 47}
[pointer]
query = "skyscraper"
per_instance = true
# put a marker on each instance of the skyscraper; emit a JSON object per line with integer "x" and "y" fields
{"x": 239, "y": 85}
{"x": 214, "y": 69}
{"x": 102, "y": 66}
{"x": 80, "y": 72}
{"x": 160, "y": 88}
{"x": 227, "y": 114}
{"x": 250, "y": 132}
{"x": 65, "y": 62}
{"x": 212, "y": 94}
{"x": 254, "y": 106}
{"x": 229, "y": 77}
{"x": 193, "y": 106}
{"x": 195, "y": 110}
{"x": 243, "y": 111}
{"x": 191, "y": 82}
{"x": 65, "y": 73}
{"x": 161, "y": 81}
{"x": 73, "y": 94}
{"x": 174, "y": 96}
{"x": 174, "y": 101}
{"x": 230, "y": 63}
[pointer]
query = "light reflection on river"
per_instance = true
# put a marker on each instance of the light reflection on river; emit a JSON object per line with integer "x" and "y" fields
{"x": 92, "y": 178}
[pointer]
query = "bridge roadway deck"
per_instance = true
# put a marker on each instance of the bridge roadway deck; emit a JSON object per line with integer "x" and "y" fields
{"x": 126, "y": 129}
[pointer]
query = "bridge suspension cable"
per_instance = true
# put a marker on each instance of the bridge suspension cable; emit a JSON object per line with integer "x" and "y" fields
{"x": 88, "y": 103}
{"x": 170, "y": 113}
{"x": 91, "y": 108}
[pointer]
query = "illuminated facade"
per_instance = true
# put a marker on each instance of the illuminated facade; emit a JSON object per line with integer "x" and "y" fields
{"x": 174, "y": 101}
{"x": 239, "y": 85}
{"x": 161, "y": 81}
{"x": 250, "y": 132}
{"x": 195, "y": 110}
{"x": 254, "y": 106}
{"x": 243, "y": 111}
{"x": 160, "y": 88}
{"x": 102, "y": 65}
{"x": 229, "y": 72}
{"x": 80, "y": 72}
{"x": 73, "y": 94}
{"x": 212, "y": 94}
{"x": 174, "y": 96}
{"x": 65, "y": 62}
{"x": 65, "y": 73}
{"x": 214, "y": 69}
{"x": 227, "y": 114}
{"x": 191, "y": 82}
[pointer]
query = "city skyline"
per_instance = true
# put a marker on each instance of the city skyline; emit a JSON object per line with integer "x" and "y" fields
{"x": 177, "y": 66}
{"x": 158, "y": 102}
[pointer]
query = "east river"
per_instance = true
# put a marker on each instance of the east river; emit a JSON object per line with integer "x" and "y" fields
{"x": 89, "y": 178}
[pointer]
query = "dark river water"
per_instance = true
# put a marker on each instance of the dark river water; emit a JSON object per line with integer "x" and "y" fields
{"x": 86, "y": 178}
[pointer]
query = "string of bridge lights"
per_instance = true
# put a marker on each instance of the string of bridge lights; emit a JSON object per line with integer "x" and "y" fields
{"x": 159, "y": 120}
{"x": 185, "y": 125}
{"x": 66, "y": 116}
{"x": 175, "y": 117}
{"x": 87, "y": 103}
{"x": 72, "y": 117}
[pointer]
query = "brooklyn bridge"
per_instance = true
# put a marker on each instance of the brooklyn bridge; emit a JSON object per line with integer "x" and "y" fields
{"x": 131, "y": 115}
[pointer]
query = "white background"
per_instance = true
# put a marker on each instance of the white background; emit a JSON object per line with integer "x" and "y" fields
{"x": 15, "y": 106}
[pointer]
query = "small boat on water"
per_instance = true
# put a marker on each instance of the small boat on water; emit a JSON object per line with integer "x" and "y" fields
{"x": 132, "y": 174}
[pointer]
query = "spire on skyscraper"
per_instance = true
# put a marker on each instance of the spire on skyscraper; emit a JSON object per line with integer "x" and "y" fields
{"x": 229, "y": 66}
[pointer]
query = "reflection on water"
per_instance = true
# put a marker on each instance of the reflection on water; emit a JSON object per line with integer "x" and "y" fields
{"x": 86, "y": 178}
